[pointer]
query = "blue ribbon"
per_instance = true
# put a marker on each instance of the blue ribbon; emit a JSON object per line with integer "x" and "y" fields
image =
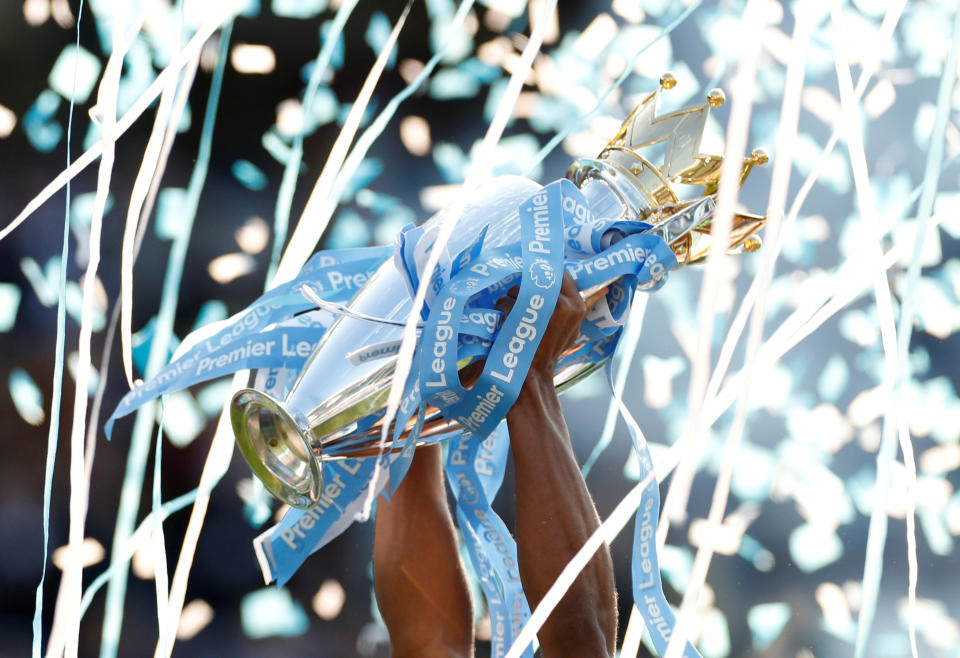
{"x": 558, "y": 231}
{"x": 247, "y": 343}
{"x": 475, "y": 472}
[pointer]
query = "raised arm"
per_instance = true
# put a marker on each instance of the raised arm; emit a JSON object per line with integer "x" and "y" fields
{"x": 555, "y": 513}
{"x": 421, "y": 586}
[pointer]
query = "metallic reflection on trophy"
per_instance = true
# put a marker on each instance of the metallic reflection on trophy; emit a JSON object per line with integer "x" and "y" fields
{"x": 335, "y": 408}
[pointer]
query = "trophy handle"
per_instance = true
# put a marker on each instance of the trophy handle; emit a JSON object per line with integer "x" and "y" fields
{"x": 277, "y": 448}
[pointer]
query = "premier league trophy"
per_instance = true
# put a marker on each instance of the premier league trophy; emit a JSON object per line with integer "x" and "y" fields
{"x": 335, "y": 406}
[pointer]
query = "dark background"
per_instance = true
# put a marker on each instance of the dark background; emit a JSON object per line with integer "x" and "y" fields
{"x": 225, "y": 569}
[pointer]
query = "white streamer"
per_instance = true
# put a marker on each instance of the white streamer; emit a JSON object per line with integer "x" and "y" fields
{"x": 217, "y": 16}
{"x": 321, "y": 203}
{"x": 72, "y": 581}
{"x": 738, "y": 128}
{"x": 888, "y": 328}
{"x": 607, "y": 531}
{"x": 790, "y": 114}
{"x": 149, "y": 168}
{"x": 870, "y": 65}
{"x": 479, "y": 170}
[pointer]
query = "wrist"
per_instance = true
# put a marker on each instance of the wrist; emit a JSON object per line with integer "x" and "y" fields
{"x": 537, "y": 389}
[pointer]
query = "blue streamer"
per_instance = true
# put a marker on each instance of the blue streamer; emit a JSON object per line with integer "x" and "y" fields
{"x": 54, "y": 431}
{"x": 167, "y": 509}
{"x": 291, "y": 170}
{"x": 139, "y": 447}
{"x": 648, "y": 596}
{"x": 376, "y": 128}
{"x": 475, "y": 472}
{"x": 159, "y": 557}
{"x": 627, "y": 72}
{"x": 877, "y": 532}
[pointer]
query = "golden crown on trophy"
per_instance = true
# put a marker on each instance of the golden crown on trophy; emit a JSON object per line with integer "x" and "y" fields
{"x": 680, "y": 134}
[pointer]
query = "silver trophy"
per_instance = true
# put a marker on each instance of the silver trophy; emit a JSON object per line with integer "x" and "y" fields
{"x": 334, "y": 408}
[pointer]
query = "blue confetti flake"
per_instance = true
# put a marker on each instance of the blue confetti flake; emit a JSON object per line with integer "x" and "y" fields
{"x": 140, "y": 345}
{"x": 212, "y": 311}
{"x": 249, "y": 175}
{"x": 833, "y": 378}
{"x": 39, "y": 124}
{"x": 211, "y": 397}
{"x": 74, "y": 73}
{"x": 766, "y": 622}
{"x": 138, "y": 73}
{"x": 322, "y": 110}
{"x": 451, "y": 161}
{"x": 171, "y": 212}
{"x": 349, "y": 230}
{"x": 272, "y": 613}
{"x": 298, "y": 8}
{"x": 449, "y": 84}
{"x": 378, "y": 34}
{"x": 336, "y": 59}
{"x": 27, "y": 398}
{"x": 367, "y": 172}
{"x": 81, "y": 209}
{"x": 43, "y": 288}
{"x": 714, "y": 639}
{"x": 813, "y": 547}
{"x": 182, "y": 418}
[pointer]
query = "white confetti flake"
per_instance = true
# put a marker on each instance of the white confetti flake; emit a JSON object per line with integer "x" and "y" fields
{"x": 253, "y": 58}
{"x": 329, "y": 599}
{"x": 415, "y": 134}
{"x": 226, "y": 268}
{"x": 88, "y": 553}
{"x": 254, "y": 236}
{"x": 196, "y": 615}
{"x": 8, "y": 121}
{"x": 10, "y": 295}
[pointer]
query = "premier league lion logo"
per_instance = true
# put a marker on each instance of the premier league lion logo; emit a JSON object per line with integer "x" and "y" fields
{"x": 542, "y": 274}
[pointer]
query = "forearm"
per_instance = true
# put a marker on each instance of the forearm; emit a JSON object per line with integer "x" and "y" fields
{"x": 555, "y": 517}
{"x": 421, "y": 587}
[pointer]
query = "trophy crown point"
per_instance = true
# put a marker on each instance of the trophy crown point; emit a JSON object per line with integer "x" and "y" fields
{"x": 759, "y": 156}
{"x": 668, "y": 81}
{"x": 716, "y": 97}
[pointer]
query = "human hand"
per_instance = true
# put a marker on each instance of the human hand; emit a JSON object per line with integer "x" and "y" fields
{"x": 564, "y": 325}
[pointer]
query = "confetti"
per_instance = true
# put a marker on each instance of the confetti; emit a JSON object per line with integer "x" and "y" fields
{"x": 195, "y": 617}
{"x": 813, "y": 547}
{"x": 8, "y": 121}
{"x": 75, "y": 73}
{"x": 272, "y": 612}
{"x": 297, "y": 8}
{"x": 27, "y": 398}
{"x": 9, "y": 305}
{"x": 329, "y": 600}
{"x": 226, "y": 268}
{"x": 249, "y": 175}
{"x": 183, "y": 420}
{"x": 89, "y": 553}
{"x": 814, "y": 422}
{"x": 253, "y": 58}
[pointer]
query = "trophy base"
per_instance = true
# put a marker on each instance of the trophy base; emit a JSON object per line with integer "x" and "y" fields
{"x": 276, "y": 448}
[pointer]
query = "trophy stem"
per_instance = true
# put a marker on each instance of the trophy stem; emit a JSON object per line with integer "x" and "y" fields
{"x": 277, "y": 448}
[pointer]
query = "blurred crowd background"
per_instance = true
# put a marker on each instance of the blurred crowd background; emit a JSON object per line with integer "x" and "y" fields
{"x": 787, "y": 585}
